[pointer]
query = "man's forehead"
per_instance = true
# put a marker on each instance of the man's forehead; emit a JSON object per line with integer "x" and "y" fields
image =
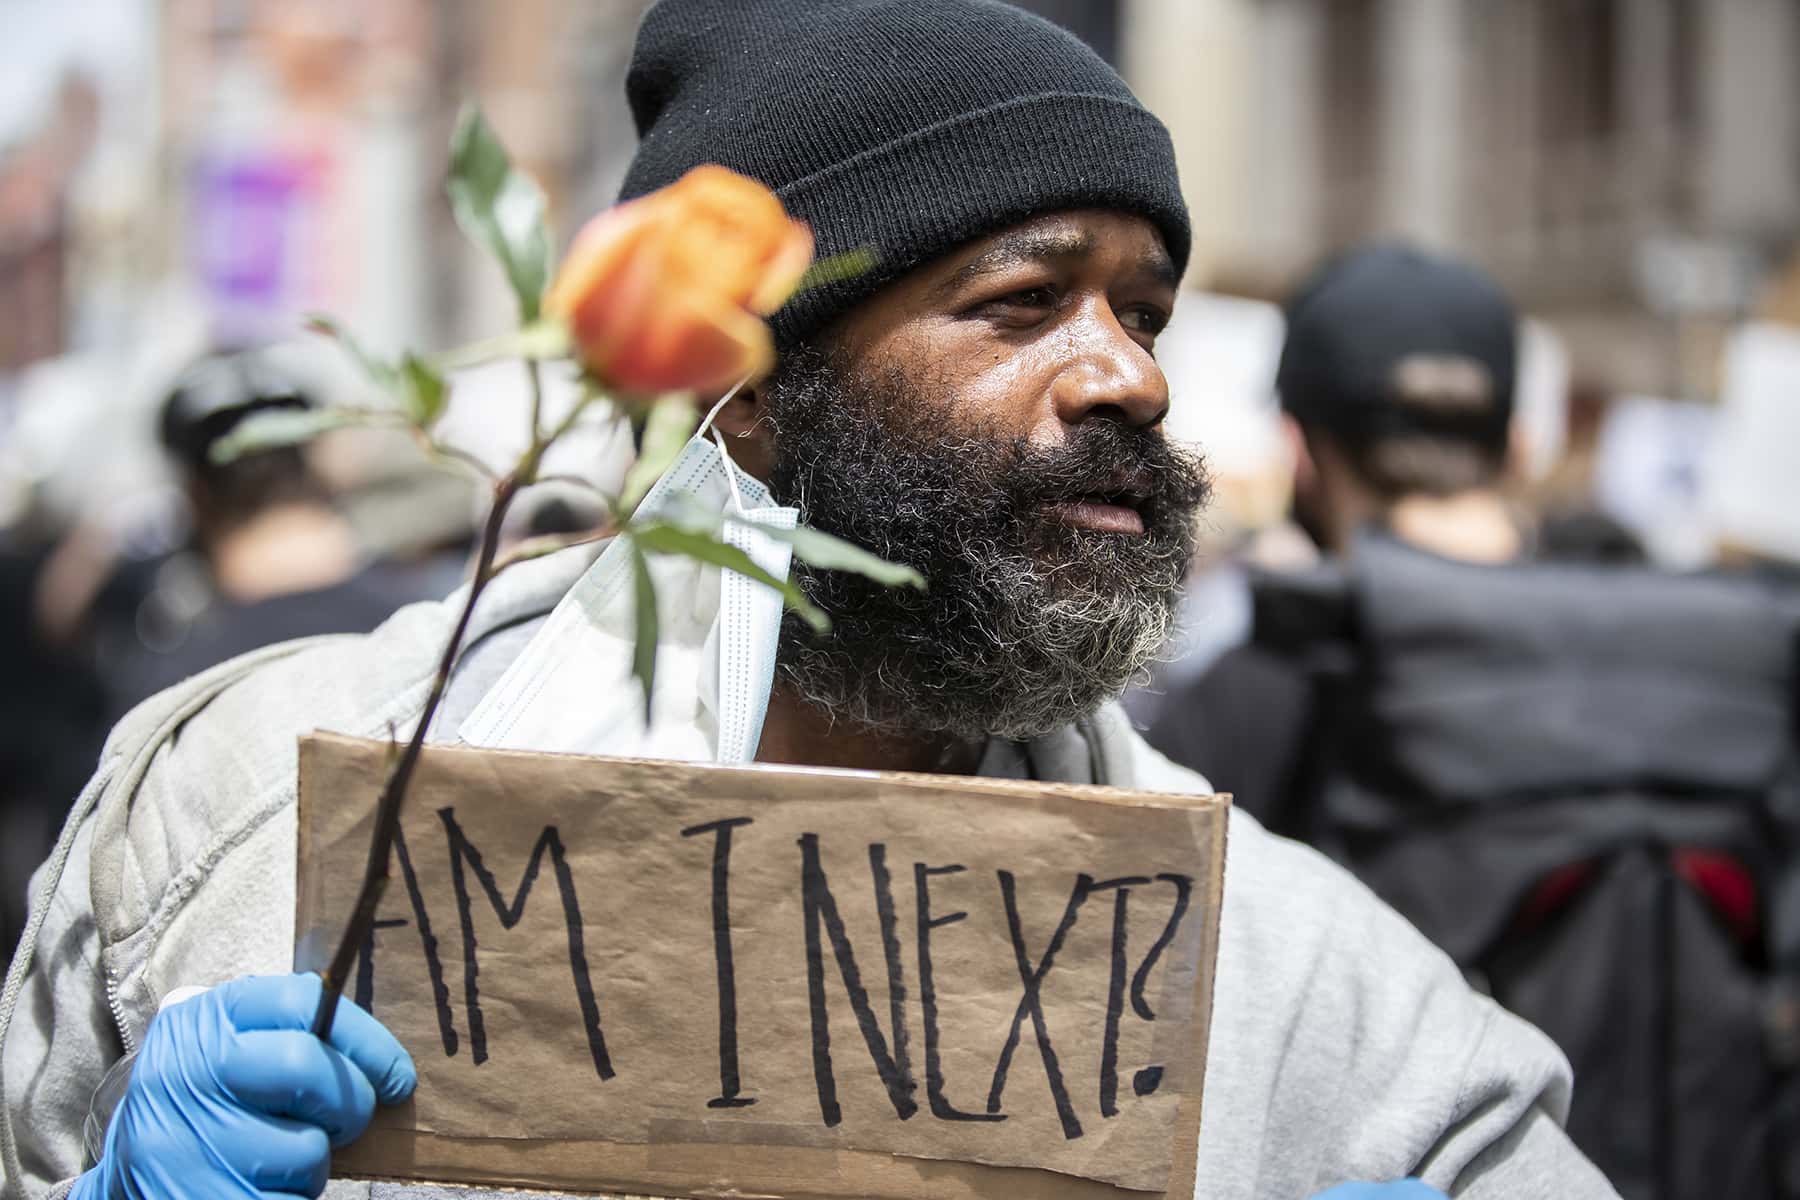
{"x": 1062, "y": 236}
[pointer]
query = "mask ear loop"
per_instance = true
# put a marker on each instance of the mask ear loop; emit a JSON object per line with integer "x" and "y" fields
{"x": 731, "y": 469}
{"x": 723, "y": 401}
{"x": 731, "y": 473}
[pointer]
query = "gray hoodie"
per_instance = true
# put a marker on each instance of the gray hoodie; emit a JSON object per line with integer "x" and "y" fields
{"x": 1344, "y": 1046}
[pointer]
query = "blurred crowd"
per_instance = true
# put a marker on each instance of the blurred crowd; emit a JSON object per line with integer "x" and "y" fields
{"x": 1574, "y": 770}
{"x": 1502, "y": 615}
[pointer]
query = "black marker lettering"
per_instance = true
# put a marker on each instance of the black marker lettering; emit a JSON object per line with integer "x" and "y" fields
{"x": 1148, "y": 1079}
{"x": 461, "y": 850}
{"x": 819, "y": 908}
{"x": 1115, "y": 1004}
{"x": 434, "y": 967}
{"x": 1032, "y": 1003}
{"x": 1115, "y": 991}
{"x": 941, "y": 1107}
{"x": 365, "y": 965}
{"x": 1184, "y": 887}
{"x": 890, "y": 950}
{"x": 729, "y": 1083}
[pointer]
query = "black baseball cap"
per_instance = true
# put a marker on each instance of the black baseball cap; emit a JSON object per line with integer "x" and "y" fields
{"x": 1387, "y": 340}
{"x": 215, "y": 393}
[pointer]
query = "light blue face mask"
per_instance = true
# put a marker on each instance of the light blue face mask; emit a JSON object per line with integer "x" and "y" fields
{"x": 572, "y": 689}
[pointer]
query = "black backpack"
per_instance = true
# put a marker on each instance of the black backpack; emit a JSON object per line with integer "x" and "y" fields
{"x": 1582, "y": 783}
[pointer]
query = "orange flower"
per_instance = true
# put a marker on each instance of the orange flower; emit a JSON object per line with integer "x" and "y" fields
{"x": 668, "y": 292}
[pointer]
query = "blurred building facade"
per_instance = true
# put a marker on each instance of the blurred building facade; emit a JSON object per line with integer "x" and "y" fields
{"x": 1618, "y": 163}
{"x": 1630, "y": 169}
{"x": 304, "y": 147}
{"x": 177, "y": 173}
{"x": 219, "y": 169}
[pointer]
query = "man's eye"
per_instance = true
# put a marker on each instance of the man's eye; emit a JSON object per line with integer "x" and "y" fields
{"x": 1037, "y": 297}
{"x": 1143, "y": 319}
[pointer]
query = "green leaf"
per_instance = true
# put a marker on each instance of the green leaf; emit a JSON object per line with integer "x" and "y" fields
{"x": 663, "y": 538}
{"x": 643, "y": 655}
{"x": 544, "y": 339}
{"x": 425, "y": 395}
{"x": 500, "y": 208}
{"x": 814, "y": 546}
{"x": 275, "y": 428}
{"x": 670, "y": 424}
{"x": 380, "y": 371}
{"x": 838, "y": 268}
{"x": 822, "y": 549}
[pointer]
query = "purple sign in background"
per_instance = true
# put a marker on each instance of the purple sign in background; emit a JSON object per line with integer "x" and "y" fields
{"x": 248, "y": 225}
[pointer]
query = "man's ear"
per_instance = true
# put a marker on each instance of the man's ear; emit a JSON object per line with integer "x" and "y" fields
{"x": 749, "y": 437}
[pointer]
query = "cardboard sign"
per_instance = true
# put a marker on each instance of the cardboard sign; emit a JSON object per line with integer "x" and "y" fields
{"x": 629, "y": 976}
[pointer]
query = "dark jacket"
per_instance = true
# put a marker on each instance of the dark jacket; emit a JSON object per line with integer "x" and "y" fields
{"x": 1579, "y": 781}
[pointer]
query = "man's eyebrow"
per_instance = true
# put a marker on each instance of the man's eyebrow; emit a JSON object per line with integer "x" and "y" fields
{"x": 1024, "y": 246}
{"x": 1160, "y": 268}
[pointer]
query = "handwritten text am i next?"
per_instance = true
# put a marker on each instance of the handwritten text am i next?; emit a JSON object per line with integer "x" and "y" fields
{"x": 615, "y": 954}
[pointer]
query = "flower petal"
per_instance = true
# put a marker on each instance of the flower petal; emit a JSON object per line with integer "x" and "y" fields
{"x": 704, "y": 347}
{"x": 786, "y": 266}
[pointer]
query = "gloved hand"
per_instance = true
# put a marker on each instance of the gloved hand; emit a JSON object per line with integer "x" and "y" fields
{"x": 1400, "y": 1189}
{"x": 230, "y": 1096}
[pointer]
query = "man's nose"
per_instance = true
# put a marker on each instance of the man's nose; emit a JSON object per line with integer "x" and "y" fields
{"x": 1109, "y": 374}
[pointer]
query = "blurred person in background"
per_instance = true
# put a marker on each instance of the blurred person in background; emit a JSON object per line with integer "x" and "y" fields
{"x": 269, "y": 557}
{"x": 1579, "y": 780}
{"x": 1571, "y": 525}
{"x": 1398, "y": 371}
{"x": 52, "y": 717}
{"x": 95, "y": 622}
{"x": 1396, "y": 379}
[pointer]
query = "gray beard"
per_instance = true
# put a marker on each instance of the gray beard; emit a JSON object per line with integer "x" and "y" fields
{"x": 1026, "y": 624}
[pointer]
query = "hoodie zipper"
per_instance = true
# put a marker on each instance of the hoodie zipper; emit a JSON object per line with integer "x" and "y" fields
{"x": 118, "y": 1013}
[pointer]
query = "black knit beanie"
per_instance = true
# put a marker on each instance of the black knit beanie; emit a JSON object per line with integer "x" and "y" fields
{"x": 904, "y": 126}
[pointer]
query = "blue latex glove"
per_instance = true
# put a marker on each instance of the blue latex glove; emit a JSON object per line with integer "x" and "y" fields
{"x": 1402, "y": 1189}
{"x": 230, "y": 1096}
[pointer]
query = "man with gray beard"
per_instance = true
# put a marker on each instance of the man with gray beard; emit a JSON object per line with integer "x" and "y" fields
{"x": 1053, "y": 567}
{"x": 984, "y": 404}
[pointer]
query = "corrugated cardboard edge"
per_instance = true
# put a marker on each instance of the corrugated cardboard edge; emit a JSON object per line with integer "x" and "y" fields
{"x": 688, "y": 1172}
{"x": 1208, "y": 804}
{"x": 1184, "y": 1166}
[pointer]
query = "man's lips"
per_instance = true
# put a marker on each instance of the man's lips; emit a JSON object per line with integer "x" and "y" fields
{"x": 1099, "y": 513}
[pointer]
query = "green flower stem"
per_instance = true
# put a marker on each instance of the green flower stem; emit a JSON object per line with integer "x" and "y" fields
{"x": 488, "y": 565}
{"x": 542, "y": 340}
{"x": 540, "y": 444}
{"x": 393, "y": 791}
{"x": 449, "y": 455}
{"x": 540, "y": 546}
{"x": 537, "y": 400}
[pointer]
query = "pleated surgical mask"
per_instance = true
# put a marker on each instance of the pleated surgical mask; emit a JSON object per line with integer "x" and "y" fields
{"x": 572, "y": 689}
